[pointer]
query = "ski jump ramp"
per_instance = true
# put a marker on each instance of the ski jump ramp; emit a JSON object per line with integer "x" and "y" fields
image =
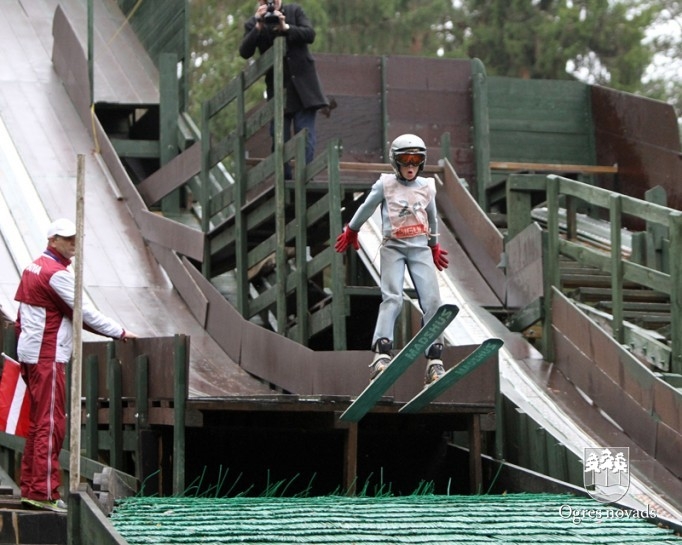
{"x": 41, "y": 135}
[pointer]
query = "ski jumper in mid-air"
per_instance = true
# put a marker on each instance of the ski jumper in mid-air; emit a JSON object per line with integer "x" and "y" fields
{"x": 410, "y": 231}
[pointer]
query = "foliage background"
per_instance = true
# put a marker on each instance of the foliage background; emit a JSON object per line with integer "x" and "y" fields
{"x": 628, "y": 45}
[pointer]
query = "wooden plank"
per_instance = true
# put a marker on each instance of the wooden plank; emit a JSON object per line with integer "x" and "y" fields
{"x": 124, "y": 73}
{"x": 438, "y": 93}
{"x": 359, "y": 166}
{"x": 634, "y": 274}
{"x": 640, "y": 306}
{"x": 643, "y": 137}
{"x": 147, "y": 149}
{"x": 524, "y": 267}
{"x": 553, "y": 167}
{"x": 90, "y": 523}
{"x": 168, "y": 233}
{"x": 172, "y": 175}
{"x": 70, "y": 63}
{"x": 17, "y": 61}
{"x": 676, "y": 290}
{"x": 382, "y": 167}
{"x": 177, "y": 268}
{"x": 604, "y": 370}
{"x": 334, "y": 71}
{"x": 350, "y": 459}
{"x": 477, "y": 234}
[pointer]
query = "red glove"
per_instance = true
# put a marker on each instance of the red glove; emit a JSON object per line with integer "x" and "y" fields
{"x": 439, "y": 258}
{"x": 345, "y": 239}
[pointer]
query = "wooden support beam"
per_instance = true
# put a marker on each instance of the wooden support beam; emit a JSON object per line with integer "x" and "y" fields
{"x": 475, "y": 465}
{"x": 347, "y": 166}
{"x": 350, "y": 462}
{"x": 115, "y": 431}
{"x": 381, "y": 167}
{"x": 554, "y": 167}
{"x": 91, "y": 406}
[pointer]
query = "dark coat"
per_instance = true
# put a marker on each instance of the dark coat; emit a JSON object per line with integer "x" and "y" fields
{"x": 300, "y": 77}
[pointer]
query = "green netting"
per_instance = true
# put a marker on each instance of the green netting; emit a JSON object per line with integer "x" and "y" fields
{"x": 425, "y": 519}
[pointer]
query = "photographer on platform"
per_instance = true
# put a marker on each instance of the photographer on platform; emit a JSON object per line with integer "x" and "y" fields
{"x": 304, "y": 94}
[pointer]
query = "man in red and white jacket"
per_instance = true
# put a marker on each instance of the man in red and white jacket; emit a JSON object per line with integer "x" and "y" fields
{"x": 44, "y": 328}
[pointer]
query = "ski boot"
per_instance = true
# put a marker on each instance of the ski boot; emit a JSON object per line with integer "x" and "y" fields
{"x": 382, "y": 358}
{"x": 434, "y": 365}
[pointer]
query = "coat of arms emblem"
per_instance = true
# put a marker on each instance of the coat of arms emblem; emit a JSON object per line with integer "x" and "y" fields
{"x": 606, "y": 473}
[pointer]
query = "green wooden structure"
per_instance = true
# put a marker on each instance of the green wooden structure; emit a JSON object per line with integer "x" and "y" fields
{"x": 560, "y": 190}
{"x": 243, "y": 212}
{"x": 518, "y": 127}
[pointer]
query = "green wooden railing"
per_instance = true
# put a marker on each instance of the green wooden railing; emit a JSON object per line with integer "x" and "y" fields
{"x": 562, "y": 192}
{"x": 115, "y": 385}
{"x": 229, "y": 216}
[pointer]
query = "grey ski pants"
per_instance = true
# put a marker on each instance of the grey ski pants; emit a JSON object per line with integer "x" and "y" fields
{"x": 397, "y": 255}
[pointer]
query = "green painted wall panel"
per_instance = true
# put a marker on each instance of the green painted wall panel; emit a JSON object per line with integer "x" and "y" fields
{"x": 162, "y": 27}
{"x": 540, "y": 121}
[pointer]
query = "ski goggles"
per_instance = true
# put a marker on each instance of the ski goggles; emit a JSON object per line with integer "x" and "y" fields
{"x": 409, "y": 159}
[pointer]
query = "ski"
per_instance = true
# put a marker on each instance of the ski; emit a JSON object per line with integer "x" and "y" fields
{"x": 427, "y": 335}
{"x": 480, "y": 355}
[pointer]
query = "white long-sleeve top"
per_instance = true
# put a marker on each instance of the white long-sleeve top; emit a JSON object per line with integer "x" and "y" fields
{"x": 46, "y": 295}
{"x": 407, "y": 208}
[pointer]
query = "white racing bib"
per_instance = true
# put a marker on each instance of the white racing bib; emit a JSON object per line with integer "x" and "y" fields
{"x": 406, "y": 206}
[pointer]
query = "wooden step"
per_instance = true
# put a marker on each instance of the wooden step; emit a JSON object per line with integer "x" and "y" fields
{"x": 590, "y": 280}
{"x": 637, "y": 306}
{"x": 589, "y": 294}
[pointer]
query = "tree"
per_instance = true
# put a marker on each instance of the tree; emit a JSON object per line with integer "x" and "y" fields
{"x": 663, "y": 78}
{"x": 216, "y": 29}
{"x": 383, "y": 27}
{"x": 598, "y": 41}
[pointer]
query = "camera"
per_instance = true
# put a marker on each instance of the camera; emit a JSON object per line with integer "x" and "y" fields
{"x": 270, "y": 18}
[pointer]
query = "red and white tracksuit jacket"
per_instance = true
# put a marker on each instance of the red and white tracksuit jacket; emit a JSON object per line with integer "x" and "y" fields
{"x": 45, "y": 341}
